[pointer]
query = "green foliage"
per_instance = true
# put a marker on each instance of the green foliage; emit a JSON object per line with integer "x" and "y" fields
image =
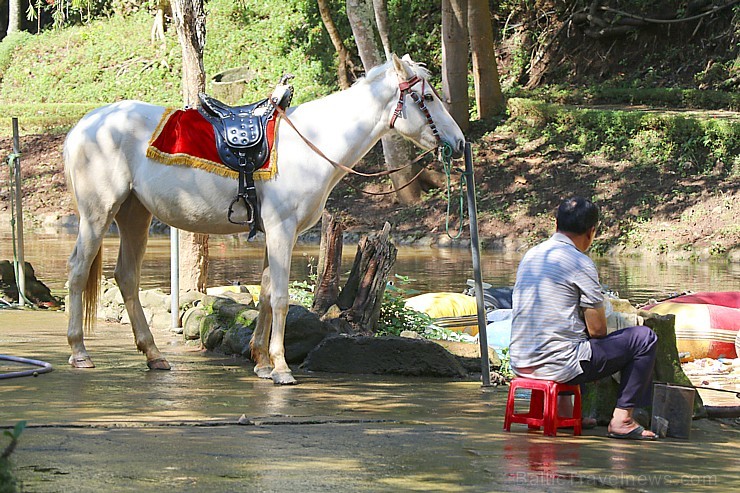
{"x": 655, "y": 96}
{"x": 89, "y": 64}
{"x": 667, "y": 142}
{"x": 302, "y": 292}
{"x": 7, "y": 481}
{"x": 395, "y": 317}
{"x": 8, "y": 47}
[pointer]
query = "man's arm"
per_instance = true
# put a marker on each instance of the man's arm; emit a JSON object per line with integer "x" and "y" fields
{"x": 595, "y": 319}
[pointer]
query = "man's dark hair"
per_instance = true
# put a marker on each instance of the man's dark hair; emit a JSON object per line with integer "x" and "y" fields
{"x": 576, "y": 215}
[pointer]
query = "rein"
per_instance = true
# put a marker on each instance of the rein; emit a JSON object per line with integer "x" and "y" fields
{"x": 347, "y": 169}
{"x": 405, "y": 89}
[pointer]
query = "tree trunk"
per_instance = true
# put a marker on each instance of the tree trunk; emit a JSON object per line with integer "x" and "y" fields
{"x": 381, "y": 19}
{"x": 15, "y": 13}
{"x": 336, "y": 40}
{"x": 488, "y": 96}
{"x": 455, "y": 60}
{"x": 362, "y": 296}
{"x": 601, "y": 396}
{"x": 190, "y": 22}
{"x": 330, "y": 262}
{"x": 397, "y": 152}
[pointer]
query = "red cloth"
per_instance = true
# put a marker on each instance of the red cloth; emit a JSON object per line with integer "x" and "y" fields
{"x": 186, "y": 134}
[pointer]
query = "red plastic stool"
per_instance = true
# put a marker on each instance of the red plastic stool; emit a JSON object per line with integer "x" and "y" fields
{"x": 543, "y": 406}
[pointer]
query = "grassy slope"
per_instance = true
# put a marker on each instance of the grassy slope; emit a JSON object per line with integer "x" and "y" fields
{"x": 641, "y": 173}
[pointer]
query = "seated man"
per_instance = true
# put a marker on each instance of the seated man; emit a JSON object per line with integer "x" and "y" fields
{"x": 559, "y": 325}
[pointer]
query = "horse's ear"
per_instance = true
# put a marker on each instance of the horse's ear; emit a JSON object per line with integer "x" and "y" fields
{"x": 402, "y": 67}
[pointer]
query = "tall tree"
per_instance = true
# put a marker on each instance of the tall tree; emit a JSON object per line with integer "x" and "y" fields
{"x": 190, "y": 22}
{"x": 14, "y": 15}
{"x": 455, "y": 59}
{"x": 336, "y": 39}
{"x": 361, "y": 16}
{"x": 488, "y": 96}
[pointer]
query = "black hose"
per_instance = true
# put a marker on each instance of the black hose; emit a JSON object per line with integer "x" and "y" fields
{"x": 44, "y": 367}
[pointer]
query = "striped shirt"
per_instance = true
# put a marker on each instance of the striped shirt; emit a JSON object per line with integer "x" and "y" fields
{"x": 554, "y": 282}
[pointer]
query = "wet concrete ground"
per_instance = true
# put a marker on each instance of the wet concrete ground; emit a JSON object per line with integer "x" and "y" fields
{"x": 209, "y": 425}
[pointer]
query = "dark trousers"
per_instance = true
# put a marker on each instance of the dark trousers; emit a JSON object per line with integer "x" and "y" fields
{"x": 630, "y": 351}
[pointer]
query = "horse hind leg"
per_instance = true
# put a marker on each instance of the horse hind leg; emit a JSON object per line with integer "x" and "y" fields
{"x": 133, "y": 221}
{"x": 261, "y": 336}
{"x": 85, "y": 269}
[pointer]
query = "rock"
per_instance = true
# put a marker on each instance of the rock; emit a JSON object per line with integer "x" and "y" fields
{"x": 208, "y": 324}
{"x": 190, "y": 298}
{"x": 153, "y": 299}
{"x": 383, "y": 355}
{"x": 161, "y": 319}
{"x": 236, "y": 341}
{"x": 35, "y": 291}
{"x": 191, "y": 321}
{"x": 411, "y": 334}
{"x": 304, "y": 330}
{"x": 148, "y": 315}
{"x": 242, "y": 298}
{"x": 213, "y": 338}
{"x": 111, "y": 295}
{"x": 469, "y": 355}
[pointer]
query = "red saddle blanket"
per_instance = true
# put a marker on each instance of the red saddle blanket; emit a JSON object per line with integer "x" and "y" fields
{"x": 185, "y": 138}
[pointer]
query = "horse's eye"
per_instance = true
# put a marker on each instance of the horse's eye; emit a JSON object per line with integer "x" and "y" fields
{"x": 428, "y": 97}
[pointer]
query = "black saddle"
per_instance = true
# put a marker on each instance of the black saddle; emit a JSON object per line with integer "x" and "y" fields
{"x": 241, "y": 142}
{"x": 240, "y": 131}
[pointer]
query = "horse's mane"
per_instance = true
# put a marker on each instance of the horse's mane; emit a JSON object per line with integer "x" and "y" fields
{"x": 379, "y": 71}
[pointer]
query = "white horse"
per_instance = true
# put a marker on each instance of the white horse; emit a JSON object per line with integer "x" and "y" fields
{"x": 113, "y": 180}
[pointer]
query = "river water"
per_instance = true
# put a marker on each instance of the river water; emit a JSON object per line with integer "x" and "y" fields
{"x": 432, "y": 269}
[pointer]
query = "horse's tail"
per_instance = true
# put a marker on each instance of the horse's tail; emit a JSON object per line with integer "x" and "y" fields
{"x": 91, "y": 294}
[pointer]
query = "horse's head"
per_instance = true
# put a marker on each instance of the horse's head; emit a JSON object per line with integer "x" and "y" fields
{"x": 419, "y": 114}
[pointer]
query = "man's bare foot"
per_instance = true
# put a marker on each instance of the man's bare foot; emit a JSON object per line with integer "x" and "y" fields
{"x": 628, "y": 429}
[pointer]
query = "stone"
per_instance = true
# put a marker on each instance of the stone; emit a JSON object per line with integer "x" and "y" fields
{"x": 208, "y": 324}
{"x": 411, "y": 334}
{"x": 162, "y": 319}
{"x": 152, "y": 298}
{"x": 469, "y": 355}
{"x": 383, "y": 355}
{"x": 111, "y": 295}
{"x": 304, "y": 330}
{"x": 213, "y": 338}
{"x": 191, "y": 323}
{"x": 242, "y": 298}
{"x": 148, "y": 315}
{"x": 190, "y": 298}
{"x": 236, "y": 341}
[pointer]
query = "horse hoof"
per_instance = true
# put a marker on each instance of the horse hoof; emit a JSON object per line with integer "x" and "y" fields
{"x": 263, "y": 371}
{"x": 283, "y": 378}
{"x": 158, "y": 364}
{"x": 81, "y": 362}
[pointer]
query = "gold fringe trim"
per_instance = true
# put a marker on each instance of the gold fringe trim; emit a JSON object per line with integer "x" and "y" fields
{"x": 205, "y": 164}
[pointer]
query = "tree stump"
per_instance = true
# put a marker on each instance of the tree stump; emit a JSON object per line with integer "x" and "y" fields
{"x": 362, "y": 295}
{"x": 357, "y": 307}
{"x": 600, "y": 396}
{"x": 330, "y": 261}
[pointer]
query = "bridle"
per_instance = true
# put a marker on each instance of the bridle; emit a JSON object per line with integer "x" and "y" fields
{"x": 405, "y": 89}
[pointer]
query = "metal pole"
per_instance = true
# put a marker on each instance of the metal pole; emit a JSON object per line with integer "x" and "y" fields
{"x": 175, "y": 277}
{"x": 475, "y": 249}
{"x": 20, "y": 259}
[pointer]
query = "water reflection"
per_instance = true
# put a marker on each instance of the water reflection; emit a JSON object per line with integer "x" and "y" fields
{"x": 235, "y": 260}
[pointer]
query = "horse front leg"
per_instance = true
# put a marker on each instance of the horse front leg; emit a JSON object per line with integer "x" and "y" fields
{"x": 261, "y": 337}
{"x": 279, "y": 251}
